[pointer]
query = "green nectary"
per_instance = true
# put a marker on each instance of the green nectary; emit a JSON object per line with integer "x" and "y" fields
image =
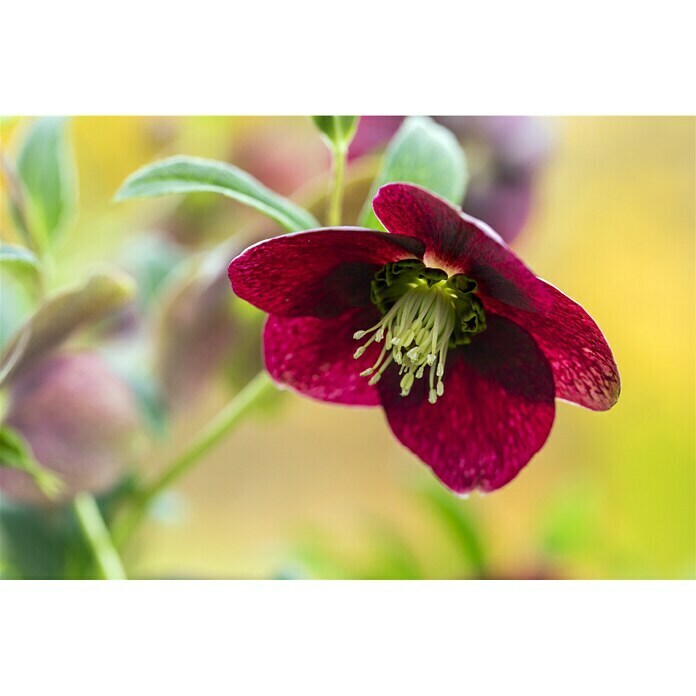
{"x": 425, "y": 312}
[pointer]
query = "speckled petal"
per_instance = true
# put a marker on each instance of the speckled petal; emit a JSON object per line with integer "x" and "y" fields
{"x": 315, "y": 356}
{"x": 496, "y": 412}
{"x": 459, "y": 243}
{"x": 316, "y": 273}
{"x": 583, "y": 365}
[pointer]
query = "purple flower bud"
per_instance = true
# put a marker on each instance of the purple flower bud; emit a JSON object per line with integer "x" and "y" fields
{"x": 505, "y": 155}
{"x": 196, "y": 332}
{"x": 80, "y": 420}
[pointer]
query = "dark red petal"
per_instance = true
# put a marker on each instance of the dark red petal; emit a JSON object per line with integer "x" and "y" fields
{"x": 496, "y": 412}
{"x": 318, "y": 272}
{"x": 583, "y": 365}
{"x": 459, "y": 243}
{"x": 315, "y": 356}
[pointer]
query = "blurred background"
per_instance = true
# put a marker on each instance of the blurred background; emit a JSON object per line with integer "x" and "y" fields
{"x": 604, "y": 208}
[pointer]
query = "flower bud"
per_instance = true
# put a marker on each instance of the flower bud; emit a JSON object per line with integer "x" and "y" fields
{"x": 80, "y": 420}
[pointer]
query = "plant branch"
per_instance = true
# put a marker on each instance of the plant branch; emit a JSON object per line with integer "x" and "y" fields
{"x": 98, "y": 537}
{"x": 212, "y": 434}
{"x": 339, "y": 153}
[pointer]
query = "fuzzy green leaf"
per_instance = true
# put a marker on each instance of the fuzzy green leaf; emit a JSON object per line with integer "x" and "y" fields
{"x": 46, "y": 170}
{"x": 192, "y": 174}
{"x": 425, "y": 153}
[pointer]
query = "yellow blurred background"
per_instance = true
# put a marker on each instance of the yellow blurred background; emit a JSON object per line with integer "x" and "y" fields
{"x": 312, "y": 489}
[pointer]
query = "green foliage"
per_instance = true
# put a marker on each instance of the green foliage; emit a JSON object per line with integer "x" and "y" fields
{"x": 387, "y": 556}
{"x": 421, "y": 152}
{"x": 47, "y": 543}
{"x": 193, "y": 174}
{"x": 21, "y": 263}
{"x": 47, "y": 192}
{"x": 63, "y": 314}
{"x": 33, "y": 543}
{"x": 456, "y": 520}
{"x": 338, "y": 131}
{"x": 15, "y": 453}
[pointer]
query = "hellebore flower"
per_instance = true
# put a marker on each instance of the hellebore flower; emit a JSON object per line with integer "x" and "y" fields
{"x": 80, "y": 420}
{"x": 439, "y": 323}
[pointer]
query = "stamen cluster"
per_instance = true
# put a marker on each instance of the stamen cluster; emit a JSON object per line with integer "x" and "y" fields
{"x": 425, "y": 313}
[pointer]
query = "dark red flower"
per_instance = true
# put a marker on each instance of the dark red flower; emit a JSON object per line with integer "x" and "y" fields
{"x": 439, "y": 323}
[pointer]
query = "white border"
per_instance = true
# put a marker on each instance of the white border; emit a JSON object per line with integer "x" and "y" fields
{"x": 358, "y": 56}
{"x": 278, "y": 637}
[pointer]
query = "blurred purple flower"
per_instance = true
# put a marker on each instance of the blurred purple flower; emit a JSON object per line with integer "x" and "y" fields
{"x": 373, "y": 133}
{"x": 80, "y": 420}
{"x": 283, "y": 154}
{"x": 185, "y": 363}
{"x": 505, "y": 156}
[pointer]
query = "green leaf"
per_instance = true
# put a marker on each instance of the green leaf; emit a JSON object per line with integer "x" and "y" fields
{"x": 17, "y": 199}
{"x": 46, "y": 170}
{"x": 425, "y": 153}
{"x": 33, "y": 545}
{"x": 21, "y": 263}
{"x": 191, "y": 174}
{"x": 457, "y": 520}
{"x": 63, "y": 314}
{"x": 338, "y": 131}
{"x": 15, "y": 453}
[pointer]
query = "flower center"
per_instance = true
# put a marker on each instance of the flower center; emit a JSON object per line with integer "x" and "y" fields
{"x": 424, "y": 313}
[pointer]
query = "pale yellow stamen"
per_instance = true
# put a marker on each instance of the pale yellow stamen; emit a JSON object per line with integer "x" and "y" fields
{"x": 418, "y": 328}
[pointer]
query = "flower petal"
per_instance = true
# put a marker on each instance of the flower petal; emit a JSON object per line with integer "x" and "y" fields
{"x": 315, "y": 356}
{"x": 318, "y": 272}
{"x": 496, "y": 411}
{"x": 459, "y": 243}
{"x": 583, "y": 365}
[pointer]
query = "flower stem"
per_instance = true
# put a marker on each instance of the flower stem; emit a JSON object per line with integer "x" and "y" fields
{"x": 97, "y": 536}
{"x": 333, "y": 217}
{"x": 203, "y": 443}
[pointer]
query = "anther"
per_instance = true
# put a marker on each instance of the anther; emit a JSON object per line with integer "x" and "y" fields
{"x": 424, "y": 313}
{"x": 406, "y": 383}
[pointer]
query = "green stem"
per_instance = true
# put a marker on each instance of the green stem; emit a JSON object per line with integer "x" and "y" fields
{"x": 333, "y": 217}
{"x": 203, "y": 443}
{"x": 97, "y": 536}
